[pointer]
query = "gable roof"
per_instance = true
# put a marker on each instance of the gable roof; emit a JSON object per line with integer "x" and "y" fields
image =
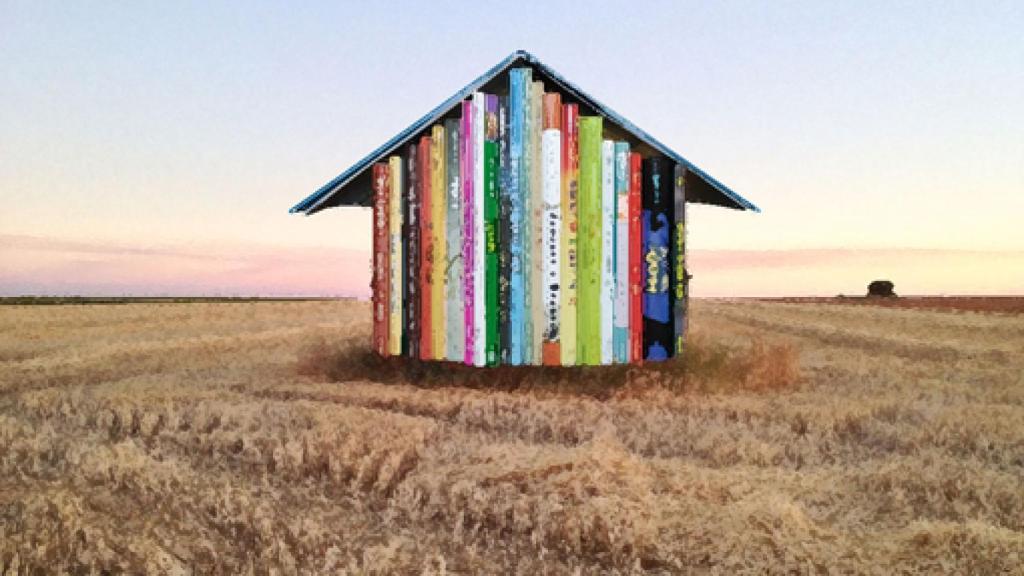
{"x": 353, "y": 187}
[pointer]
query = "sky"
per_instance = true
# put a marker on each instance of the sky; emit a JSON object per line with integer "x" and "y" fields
{"x": 151, "y": 148}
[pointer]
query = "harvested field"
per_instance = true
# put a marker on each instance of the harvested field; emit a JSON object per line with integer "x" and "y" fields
{"x": 258, "y": 437}
{"x": 997, "y": 304}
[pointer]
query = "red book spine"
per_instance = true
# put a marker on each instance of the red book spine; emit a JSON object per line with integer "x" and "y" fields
{"x": 381, "y": 269}
{"x": 426, "y": 251}
{"x": 636, "y": 314}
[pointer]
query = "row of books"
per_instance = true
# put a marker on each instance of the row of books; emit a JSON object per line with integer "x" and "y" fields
{"x": 517, "y": 234}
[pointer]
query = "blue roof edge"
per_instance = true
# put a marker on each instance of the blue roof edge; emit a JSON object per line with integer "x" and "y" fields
{"x": 311, "y": 203}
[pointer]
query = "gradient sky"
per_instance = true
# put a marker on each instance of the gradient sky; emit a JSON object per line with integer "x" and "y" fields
{"x": 154, "y": 148}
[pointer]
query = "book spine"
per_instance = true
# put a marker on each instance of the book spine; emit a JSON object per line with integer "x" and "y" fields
{"x": 570, "y": 209}
{"x": 455, "y": 333}
{"x": 526, "y": 187}
{"x": 517, "y": 200}
{"x": 438, "y": 204}
{"x": 491, "y": 230}
{"x": 468, "y": 253}
{"x": 411, "y": 338}
{"x": 396, "y": 257}
{"x": 680, "y": 295}
{"x": 657, "y": 199}
{"x": 424, "y": 179}
{"x": 621, "y": 325}
{"x": 479, "y": 236}
{"x": 381, "y": 271}
{"x": 588, "y": 311}
{"x": 636, "y": 313}
{"x": 551, "y": 151}
{"x": 504, "y": 232}
{"x": 608, "y": 206}
{"x": 537, "y": 221}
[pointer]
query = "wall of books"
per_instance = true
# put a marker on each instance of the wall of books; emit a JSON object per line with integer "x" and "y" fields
{"x": 514, "y": 232}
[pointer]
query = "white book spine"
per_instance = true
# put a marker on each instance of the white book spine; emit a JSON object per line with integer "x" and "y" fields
{"x": 552, "y": 177}
{"x": 479, "y": 244}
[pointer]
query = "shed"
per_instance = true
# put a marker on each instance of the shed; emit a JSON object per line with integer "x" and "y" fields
{"x": 523, "y": 222}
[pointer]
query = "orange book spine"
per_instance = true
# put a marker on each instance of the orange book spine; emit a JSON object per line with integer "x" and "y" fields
{"x": 381, "y": 268}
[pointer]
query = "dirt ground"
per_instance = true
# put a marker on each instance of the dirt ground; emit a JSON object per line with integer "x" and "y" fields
{"x": 205, "y": 438}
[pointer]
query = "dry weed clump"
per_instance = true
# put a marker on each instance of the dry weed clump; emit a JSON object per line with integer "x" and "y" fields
{"x": 705, "y": 365}
{"x": 789, "y": 438}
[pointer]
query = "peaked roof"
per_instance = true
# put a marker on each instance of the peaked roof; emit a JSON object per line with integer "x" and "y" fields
{"x": 353, "y": 186}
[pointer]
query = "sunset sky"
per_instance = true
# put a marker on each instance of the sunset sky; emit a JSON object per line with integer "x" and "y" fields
{"x": 155, "y": 148}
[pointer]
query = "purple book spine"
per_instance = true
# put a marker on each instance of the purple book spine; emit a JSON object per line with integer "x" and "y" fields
{"x": 468, "y": 219}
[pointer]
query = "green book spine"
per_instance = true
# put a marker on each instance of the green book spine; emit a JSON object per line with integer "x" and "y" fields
{"x": 491, "y": 254}
{"x": 588, "y": 311}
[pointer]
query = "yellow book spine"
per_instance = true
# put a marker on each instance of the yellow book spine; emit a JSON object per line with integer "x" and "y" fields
{"x": 395, "y": 237}
{"x": 438, "y": 207}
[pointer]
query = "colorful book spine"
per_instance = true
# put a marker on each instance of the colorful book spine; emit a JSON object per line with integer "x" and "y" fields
{"x": 570, "y": 208}
{"x": 537, "y": 221}
{"x": 411, "y": 296}
{"x": 381, "y": 247}
{"x": 479, "y": 236}
{"x": 608, "y": 208}
{"x": 588, "y": 310}
{"x": 397, "y": 287}
{"x": 657, "y": 204}
{"x": 439, "y": 208}
{"x": 680, "y": 294}
{"x": 467, "y": 169}
{"x": 518, "y": 78}
{"x": 621, "y": 325}
{"x": 636, "y": 311}
{"x": 455, "y": 333}
{"x": 425, "y": 181}
{"x": 551, "y": 152}
{"x": 526, "y": 187}
{"x": 491, "y": 230}
{"x": 504, "y": 232}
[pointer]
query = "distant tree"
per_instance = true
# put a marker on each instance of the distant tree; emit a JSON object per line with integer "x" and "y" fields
{"x": 882, "y": 288}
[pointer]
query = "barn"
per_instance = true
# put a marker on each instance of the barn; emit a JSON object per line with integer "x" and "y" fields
{"x": 522, "y": 222}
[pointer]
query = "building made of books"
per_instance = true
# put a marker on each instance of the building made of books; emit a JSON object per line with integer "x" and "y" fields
{"x": 523, "y": 222}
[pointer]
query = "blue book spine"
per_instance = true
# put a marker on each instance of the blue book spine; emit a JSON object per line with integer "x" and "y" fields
{"x": 657, "y": 206}
{"x": 517, "y": 279}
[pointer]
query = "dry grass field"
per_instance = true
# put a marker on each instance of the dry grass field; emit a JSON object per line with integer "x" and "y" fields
{"x": 258, "y": 438}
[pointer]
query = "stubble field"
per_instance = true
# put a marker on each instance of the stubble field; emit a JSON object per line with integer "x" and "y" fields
{"x": 233, "y": 438}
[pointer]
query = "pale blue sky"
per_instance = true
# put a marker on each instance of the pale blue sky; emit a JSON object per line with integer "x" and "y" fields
{"x": 852, "y": 125}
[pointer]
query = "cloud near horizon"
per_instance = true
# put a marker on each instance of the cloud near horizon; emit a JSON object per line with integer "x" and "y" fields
{"x": 57, "y": 266}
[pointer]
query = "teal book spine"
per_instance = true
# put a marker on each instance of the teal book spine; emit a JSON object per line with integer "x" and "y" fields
{"x": 517, "y": 216}
{"x": 526, "y": 187}
{"x": 620, "y": 328}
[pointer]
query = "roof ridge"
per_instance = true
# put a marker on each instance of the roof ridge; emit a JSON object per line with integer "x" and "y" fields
{"x": 315, "y": 201}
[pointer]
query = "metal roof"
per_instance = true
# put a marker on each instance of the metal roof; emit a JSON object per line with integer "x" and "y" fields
{"x": 352, "y": 187}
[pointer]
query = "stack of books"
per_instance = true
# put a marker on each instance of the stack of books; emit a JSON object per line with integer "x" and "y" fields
{"x": 517, "y": 232}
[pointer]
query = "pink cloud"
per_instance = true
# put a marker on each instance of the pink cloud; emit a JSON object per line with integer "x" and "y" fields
{"x": 54, "y": 266}
{"x": 34, "y": 265}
